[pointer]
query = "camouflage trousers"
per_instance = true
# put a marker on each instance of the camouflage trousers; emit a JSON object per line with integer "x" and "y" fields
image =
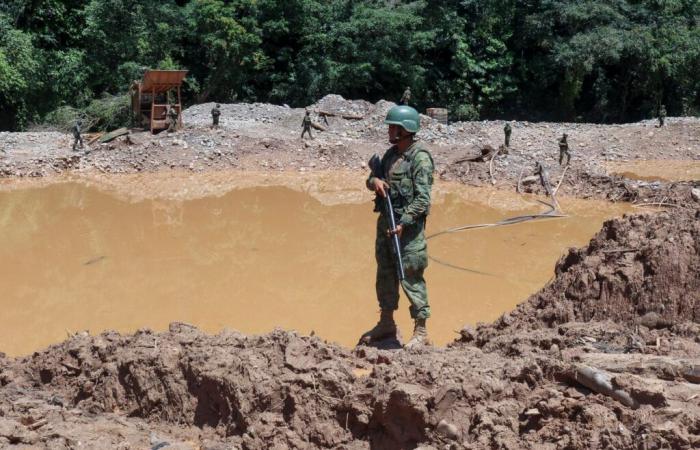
{"x": 414, "y": 255}
{"x": 562, "y": 154}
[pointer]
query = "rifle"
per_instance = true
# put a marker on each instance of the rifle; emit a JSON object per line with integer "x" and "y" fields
{"x": 375, "y": 165}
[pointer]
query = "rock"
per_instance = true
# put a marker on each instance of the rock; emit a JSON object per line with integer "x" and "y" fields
{"x": 180, "y": 142}
{"x": 468, "y": 334}
{"x": 450, "y": 431}
{"x": 695, "y": 193}
{"x": 692, "y": 374}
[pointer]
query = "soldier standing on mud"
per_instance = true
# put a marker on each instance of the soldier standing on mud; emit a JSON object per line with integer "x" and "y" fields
{"x": 662, "y": 115}
{"x": 507, "y": 130}
{"x": 172, "y": 118}
{"x": 408, "y": 168}
{"x": 215, "y": 113}
{"x": 564, "y": 150}
{"x": 406, "y": 97}
{"x": 77, "y": 138}
{"x": 306, "y": 124}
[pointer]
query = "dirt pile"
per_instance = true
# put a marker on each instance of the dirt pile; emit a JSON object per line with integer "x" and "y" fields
{"x": 605, "y": 356}
{"x": 640, "y": 272}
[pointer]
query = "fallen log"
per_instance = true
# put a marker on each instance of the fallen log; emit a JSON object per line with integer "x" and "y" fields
{"x": 318, "y": 127}
{"x": 347, "y": 116}
{"x": 599, "y": 381}
{"x": 113, "y": 135}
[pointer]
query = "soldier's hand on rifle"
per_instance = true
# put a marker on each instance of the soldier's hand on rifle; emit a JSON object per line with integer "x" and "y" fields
{"x": 397, "y": 231}
{"x": 380, "y": 187}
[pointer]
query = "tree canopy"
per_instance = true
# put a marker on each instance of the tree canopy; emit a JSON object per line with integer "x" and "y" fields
{"x": 592, "y": 60}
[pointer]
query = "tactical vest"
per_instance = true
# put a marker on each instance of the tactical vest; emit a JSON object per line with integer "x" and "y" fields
{"x": 400, "y": 180}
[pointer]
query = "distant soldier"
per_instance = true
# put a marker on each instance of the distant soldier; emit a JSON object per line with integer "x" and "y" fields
{"x": 306, "y": 124}
{"x": 564, "y": 150}
{"x": 406, "y": 97}
{"x": 662, "y": 115}
{"x": 215, "y": 113}
{"x": 507, "y": 130}
{"x": 172, "y": 118}
{"x": 77, "y": 138}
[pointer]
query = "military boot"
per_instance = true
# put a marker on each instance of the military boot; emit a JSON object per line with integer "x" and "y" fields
{"x": 420, "y": 335}
{"x": 385, "y": 328}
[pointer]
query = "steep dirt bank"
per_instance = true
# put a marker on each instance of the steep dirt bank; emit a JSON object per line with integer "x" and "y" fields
{"x": 627, "y": 305}
{"x": 266, "y": 137}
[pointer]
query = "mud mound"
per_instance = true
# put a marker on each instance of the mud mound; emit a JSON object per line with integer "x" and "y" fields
{"x": 638, "y": 270}
{"x": 185, "y": 389}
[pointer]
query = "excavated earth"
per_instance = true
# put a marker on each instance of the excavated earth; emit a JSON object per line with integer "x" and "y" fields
{"x": 627, "y": 307}
{"x": 605, "y": 356}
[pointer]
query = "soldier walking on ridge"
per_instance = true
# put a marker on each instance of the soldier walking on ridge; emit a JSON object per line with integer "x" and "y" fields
{"x": 507, "y": 130}
{"x": 564, "y": 150}
{"x": 306, "y": 124}
{"x": 215, "y": 113}
{"x": 662, "y": 115}
{"x": 77, "y": 138}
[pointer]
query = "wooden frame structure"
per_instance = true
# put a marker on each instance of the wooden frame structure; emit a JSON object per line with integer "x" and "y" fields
{"x": 149, "y": 98}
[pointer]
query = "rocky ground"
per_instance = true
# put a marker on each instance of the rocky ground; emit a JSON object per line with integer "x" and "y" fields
{"x": 267, "y": 137}
{"x": 605, "y": 356}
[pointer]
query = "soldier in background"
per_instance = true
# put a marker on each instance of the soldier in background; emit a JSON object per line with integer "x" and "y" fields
{"x": 77, "y": 138}
{"x": 306, "y": 124}
{"x": 172, "y": 115}
{"x": 406, "y": 97}
{"x": 215, "y": 113}
{"x": 507, "y": 130}
{"x": 564, "y": 150}
{"x": 662, "y": 115}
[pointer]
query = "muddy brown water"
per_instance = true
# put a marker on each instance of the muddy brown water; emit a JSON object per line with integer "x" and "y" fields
{"x": 656, "y": 170}
{"x": 253, "y": 252}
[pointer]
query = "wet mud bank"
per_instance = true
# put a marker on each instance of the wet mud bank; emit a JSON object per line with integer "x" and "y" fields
{"x": 607, "y": 355}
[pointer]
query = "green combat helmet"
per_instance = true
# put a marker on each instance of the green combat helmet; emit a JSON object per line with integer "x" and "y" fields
{"x": 405, "y": 117}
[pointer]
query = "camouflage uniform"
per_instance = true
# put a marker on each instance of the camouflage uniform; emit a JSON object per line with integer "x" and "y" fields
{"x": 564, "y": 150}
{"x": 507, "y": 130}
{"x": 406, "y": 97}
{"x": 662, "y": 115}
{"x": 306, "y": 123}
{"x": 77, "y": 138}
{"x": 172, "y": 119}
{"x": 215, "y": 113}
{"x": 410, "y": 178}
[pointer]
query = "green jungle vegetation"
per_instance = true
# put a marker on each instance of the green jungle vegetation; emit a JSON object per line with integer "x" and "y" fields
{"x": 560, "y": 60}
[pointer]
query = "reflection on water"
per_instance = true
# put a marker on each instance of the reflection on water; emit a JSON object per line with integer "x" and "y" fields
{"x": 75, "y": 257}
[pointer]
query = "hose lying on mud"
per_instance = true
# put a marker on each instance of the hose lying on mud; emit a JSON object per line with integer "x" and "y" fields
{"x": 552, "y": 213}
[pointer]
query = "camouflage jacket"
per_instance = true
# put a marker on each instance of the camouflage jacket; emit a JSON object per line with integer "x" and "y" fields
{"x": 215, "y": 112}
{"x": 410, "y": 178}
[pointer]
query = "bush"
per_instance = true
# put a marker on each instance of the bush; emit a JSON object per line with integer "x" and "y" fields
{"x": 465, "y": 112}
{"x": 103, "y": 114}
